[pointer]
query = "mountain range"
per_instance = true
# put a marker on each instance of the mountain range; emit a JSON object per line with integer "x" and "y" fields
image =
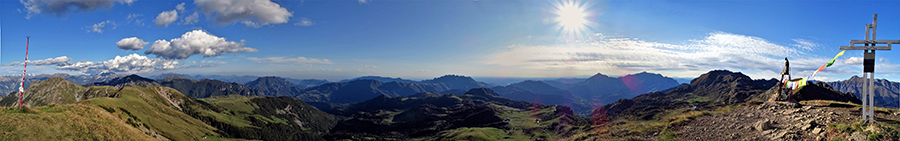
{"x": 193, "y": 88}
{"x": 361, "y": 89}
{"x": 381, "y": 79}
{"x": 887, "y": 93}
{"x": 158, "y": 112}
{"x": 445, "y": 108}
{"x": 12, "y": 81}
{"x": 240, "y": 79}
{"x": 713, "y": 89}
{"x": 121, "y": 109}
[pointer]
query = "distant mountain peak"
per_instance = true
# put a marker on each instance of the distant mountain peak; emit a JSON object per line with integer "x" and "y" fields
{"x": 648, "y": 74}
{"x": 598, "y": 76}
{"x": 380, "y": 78}
{"x": 136, "y": 77}
{"x": 176, "y": 78}
{"x": 270, "y": 78}
{"x": 482, "y": 92}
{"x": 457, "y": 82}
{"x": 106, "y": 73}
{"x": 720, "y": 76}
{"x": 130, "y": 80}
{"x": 453, "y": 76}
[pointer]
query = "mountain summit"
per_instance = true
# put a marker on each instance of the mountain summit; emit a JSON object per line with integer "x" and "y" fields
{"x": 604, "y": 89}
{"x": 457, "y": 82}
{"x": 130, "y": 80}
{"x": 274, "y": 86}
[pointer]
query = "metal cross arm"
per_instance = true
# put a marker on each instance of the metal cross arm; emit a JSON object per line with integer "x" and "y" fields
{"x": 872, "y": 42}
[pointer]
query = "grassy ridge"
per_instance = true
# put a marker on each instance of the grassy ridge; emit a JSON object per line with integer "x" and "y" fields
{"x": 127, "y": 113}
{"x": 155, "y": 113}
{"x": 148, "y": 110}
{"x": 66, "y": 122}
{"x": 265, "y": 118}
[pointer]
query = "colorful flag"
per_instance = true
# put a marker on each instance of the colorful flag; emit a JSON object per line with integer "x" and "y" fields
{"x": 835, "y": 58}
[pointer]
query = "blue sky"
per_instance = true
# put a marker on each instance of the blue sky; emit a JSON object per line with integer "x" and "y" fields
{"x": 424, "y": 39}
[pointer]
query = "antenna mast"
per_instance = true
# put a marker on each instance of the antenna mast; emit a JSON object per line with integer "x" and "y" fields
{"x": 22, "y": 87}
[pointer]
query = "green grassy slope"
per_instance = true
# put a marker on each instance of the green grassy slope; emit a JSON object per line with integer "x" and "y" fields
{"x": 150, "y": 110}
{"x": 522, "y": 126}
{"x": 56, "y": 91}
{"x": 66, "y": 122}
{"x": 266, "y": 118}
{"x": 102, "y": 113}
{"x": 477, "y": 115}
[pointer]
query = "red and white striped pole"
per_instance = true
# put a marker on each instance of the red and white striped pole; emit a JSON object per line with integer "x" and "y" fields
{"x": 22, "y": 87}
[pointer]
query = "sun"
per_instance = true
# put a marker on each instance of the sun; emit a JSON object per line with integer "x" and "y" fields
{"x": 571, "y": 16}
{"x": 571, "y": 19}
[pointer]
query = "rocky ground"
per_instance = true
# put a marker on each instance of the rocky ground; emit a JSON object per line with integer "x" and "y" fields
{"x": 787, "y": 121}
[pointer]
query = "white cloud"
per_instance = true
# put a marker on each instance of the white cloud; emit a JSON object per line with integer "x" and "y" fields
{"x": 718, "y": 50}
{"x": 196, "y": 42}
{"x": 165, "y": 18}
{"x": 193, "y": 18}
{"x": 133, "y": 17}
{"x": 882, "y": 66}
{"x": 371, "y": 67}
{"x": 298, "y": 60}
{"x": 853, "y": 61}
{"x": 253, "y": 13}
{"x": 305, "y": 22}
{"x": 133, "y": 63}
{"x": 363, "y": 1}
{"x": 180, "y": 7}
{"x": 99, "y": 26}
{"x": 805, "y": 44}
{"x": 61, "y": 8}
{"x": 132, "y": 43}
{"x": 62, "y": 60}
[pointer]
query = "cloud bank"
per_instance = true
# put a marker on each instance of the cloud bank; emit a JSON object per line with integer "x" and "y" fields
{"x": 718, "y": 50}
{"x": 62, "y": 60}
{"x": 133, "y": 63}
{"x": 61, "y": 8}
{"x": 252, "y": 13}
{"x": 196, "y": 42}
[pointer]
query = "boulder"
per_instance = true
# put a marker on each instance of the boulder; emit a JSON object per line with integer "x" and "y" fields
{"x": 762, "y": 125}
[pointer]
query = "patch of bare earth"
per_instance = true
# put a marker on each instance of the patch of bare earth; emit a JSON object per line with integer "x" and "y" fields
{"x": 776, "y": 121}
